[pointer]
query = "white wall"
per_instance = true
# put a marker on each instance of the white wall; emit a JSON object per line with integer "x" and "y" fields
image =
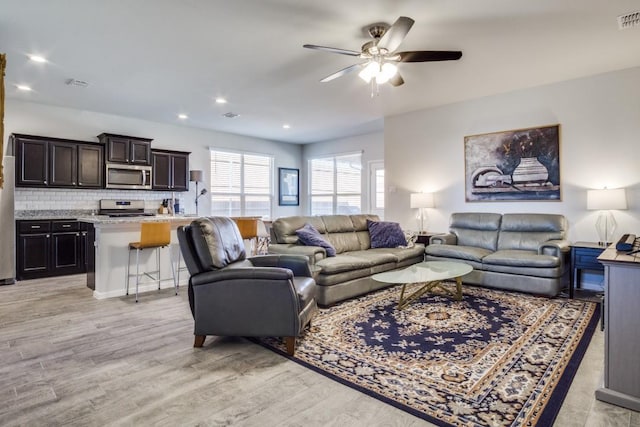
{"x": 599, "y": 121}
{"x": 371, "y": 145}
{"x": 39, "y": 119}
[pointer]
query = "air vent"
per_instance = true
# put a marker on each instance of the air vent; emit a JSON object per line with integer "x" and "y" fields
{"x": 230, "y": 115}
{"x": 76, "y": 82}
{"x": 629, "y": 20}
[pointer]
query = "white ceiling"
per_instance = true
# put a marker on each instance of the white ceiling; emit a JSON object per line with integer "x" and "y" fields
{"x": 153, "y": 59}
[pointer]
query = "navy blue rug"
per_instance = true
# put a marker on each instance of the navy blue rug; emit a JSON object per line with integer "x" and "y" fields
{"x": 495, "y": 358}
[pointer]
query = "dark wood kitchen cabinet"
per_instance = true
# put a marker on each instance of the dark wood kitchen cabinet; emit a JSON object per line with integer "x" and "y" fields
{"x": 48, "y": 248}
{"x": 90, "y": 166}
{"x": 127, "y": 149}
{"x": 170, "y": 170}
{"x": 57, "y": 163}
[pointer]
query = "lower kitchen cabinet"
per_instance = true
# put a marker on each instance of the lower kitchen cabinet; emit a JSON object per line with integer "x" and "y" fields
{"x": 50, "y": 248}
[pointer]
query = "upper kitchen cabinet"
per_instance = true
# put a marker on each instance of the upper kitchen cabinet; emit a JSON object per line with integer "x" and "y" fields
{"x": 127, "y": 149}
{"x": 57, "y": 163}
{"x": 170, "y": 170}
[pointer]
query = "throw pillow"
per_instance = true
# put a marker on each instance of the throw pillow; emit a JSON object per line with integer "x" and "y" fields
{"x": 385, "y": 234}
{"x": 411, "y": 238}
{"x": 309, "y": 236}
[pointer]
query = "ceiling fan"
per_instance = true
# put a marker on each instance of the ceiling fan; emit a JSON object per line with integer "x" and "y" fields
{"x": 381, "y": 56}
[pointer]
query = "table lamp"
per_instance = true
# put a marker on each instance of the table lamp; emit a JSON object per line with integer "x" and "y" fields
{"x": 196, "y": 176}
{"x": 605, "y": 201}
{"x": 422, "y": 201}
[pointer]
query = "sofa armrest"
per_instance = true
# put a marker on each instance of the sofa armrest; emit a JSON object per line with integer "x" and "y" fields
{"x": 298, "y": 264}
{"x": 444, "y": 239}
{"x": 247, "y": 274}
{"x": 556, "y": 248}
{"x": 312, "y": 253}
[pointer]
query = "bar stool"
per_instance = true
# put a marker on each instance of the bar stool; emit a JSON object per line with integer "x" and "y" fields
{"x": 153, "y": 235}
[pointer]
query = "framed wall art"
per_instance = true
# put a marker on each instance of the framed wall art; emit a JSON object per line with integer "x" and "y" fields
{"x": 516, "y": 165}
{"x": 288, "y": 187}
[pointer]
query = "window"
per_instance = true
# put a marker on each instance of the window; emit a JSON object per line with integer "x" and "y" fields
{"x": 376, "y": 185}
{"x": 241, "y": 184}
{"x": 335, "y": 184}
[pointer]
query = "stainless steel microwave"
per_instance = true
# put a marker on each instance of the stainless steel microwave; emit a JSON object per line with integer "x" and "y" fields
{"x": 132, "y": 177}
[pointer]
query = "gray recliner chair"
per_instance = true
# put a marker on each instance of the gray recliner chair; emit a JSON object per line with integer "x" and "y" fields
{"x": 231, "y": 295}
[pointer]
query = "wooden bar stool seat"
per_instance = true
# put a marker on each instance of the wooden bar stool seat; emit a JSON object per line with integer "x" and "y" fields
{"x": 154, "y": 236}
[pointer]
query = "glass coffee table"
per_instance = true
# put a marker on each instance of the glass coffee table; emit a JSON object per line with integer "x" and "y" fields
{"x": 431, "y": 273}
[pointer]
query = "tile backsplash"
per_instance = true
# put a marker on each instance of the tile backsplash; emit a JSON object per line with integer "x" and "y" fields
{"x": 53, "y": 199}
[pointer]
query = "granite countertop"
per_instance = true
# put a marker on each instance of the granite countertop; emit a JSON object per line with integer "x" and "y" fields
{"x": 104, "y": 219}
{"x": 52, "y": 214}
{"x": 88, "y": 215}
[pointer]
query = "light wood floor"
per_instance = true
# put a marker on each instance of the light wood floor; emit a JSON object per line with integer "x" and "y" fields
{"x": 68, "y": 359}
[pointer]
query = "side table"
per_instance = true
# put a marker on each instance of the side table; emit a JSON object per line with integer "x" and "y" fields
{"x": 584, "y": 256}
{"x": 424, "y": 236}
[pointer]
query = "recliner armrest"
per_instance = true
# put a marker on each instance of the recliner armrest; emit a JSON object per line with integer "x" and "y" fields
{"x": 298, "y": 264}
{"x": 443, "y": 239}
{"x": 247, "y": 274}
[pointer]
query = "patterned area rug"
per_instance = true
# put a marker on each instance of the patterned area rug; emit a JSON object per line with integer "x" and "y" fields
{"x": 495, "y": 358}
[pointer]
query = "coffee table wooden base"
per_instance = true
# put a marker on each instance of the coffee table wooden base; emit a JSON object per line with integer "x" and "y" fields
{"x": 428, "y": 286}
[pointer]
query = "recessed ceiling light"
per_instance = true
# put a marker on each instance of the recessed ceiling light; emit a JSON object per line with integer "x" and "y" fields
{"x": 23, "y": 87}
{"x": 221, "y": 100}
{"x": 183, "y": 116}
{"x": 286, "y": 126}
{"x": 37, "y": 58}
{"x": 230, "y": 115}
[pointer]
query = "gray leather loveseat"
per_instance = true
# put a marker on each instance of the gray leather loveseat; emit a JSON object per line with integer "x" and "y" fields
{"x": 520, "y": 252}
{"x": 348, "y": 274}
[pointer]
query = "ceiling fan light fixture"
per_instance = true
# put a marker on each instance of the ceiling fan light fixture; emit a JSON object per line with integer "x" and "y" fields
{"x": 371, "y": 70}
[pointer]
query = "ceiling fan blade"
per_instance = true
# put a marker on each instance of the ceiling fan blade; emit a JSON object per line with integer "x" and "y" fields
{"x": 429, "y": 55}
{"x": 333, "y": 50}
{"x": 342, "y": 72}
{"x": 396, "y": 80}
{"x": 395, "y": 34}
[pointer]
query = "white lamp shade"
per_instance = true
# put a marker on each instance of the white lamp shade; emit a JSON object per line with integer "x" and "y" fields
{"x": 606, "y": 199}
{"x": 422, "y": 200}
{"x": 195, "y": 176}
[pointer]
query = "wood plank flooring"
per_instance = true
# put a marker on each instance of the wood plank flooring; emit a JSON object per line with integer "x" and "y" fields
{"x": 68, "y": 359}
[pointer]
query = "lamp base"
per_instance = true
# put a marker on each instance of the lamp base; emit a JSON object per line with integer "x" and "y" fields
{"x": 605, "y": 226}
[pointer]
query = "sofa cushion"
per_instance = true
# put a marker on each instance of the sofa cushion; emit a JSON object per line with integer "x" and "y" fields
{"x": 309, "y": 236}
{"x": 521, "y": 258}
{"x": 529, "y": 231}
{"x": 403, "y": 254}
{"x": 343, "y": 262}
{"x": 375, "y": 257}
{"x": 469, "y": 253}
{"x": 283, "y": 230}
{"x": 478, "y": 229}
{"x": 386, "y": 234}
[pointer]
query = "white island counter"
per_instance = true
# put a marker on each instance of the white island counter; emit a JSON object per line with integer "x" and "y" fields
{"x": 112, "y": 238}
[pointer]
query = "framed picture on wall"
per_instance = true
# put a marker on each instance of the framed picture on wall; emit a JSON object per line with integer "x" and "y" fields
{"x": 288, "y": 187}
{"x": 513, "y": 165}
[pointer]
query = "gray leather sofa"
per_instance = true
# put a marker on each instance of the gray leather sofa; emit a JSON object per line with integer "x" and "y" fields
{"x": 348, "y": 274}
{"x": 520, "y": 252}
{"x": 229, "y": 294}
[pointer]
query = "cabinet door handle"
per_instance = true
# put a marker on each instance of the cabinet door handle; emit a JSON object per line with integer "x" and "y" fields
{"x": 73, "y": 183}
{"x": 45, "y": 181}
{"x": 77, "y": 234}
{"x": 48, "y": 236}
{"x": 35, "y": 226}
{"x": 66, "y": 225}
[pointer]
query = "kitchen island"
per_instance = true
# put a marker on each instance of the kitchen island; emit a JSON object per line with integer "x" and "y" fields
{"x": 106, "y": 275}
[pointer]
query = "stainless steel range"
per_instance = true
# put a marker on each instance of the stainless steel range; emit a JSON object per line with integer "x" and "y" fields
{"x": 123, "y": 208}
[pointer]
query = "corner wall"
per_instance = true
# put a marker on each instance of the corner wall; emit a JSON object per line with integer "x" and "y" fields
{"x": 599, "y": 121}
